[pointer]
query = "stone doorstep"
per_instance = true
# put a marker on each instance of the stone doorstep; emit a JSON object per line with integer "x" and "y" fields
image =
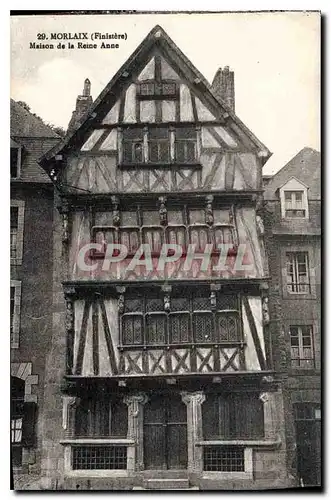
{"x": 192, "y": 488}
{"x": 167, "y": 484}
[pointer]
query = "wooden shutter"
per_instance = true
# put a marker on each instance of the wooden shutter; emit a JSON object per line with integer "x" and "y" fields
{"x": 210, "y": 420}
{"x": 119, "y": 419}
{"x": 28, "y": 425}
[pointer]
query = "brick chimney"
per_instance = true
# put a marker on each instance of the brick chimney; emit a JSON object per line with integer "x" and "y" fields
{"x": 83, "y": 103}
{"x": 223, "y": 86}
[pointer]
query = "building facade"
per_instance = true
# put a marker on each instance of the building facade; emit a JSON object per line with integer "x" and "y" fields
{"x": 31, "y": 216}
{"x": 293, "y": 242}
{"x": 161, "y": 366}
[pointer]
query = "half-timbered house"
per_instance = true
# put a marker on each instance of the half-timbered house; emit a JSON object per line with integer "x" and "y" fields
{"x": 160, "y": 368}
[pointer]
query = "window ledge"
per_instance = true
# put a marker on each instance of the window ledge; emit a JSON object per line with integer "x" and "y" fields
{"x": 110, "y": 441}
{"x": 242, "y": 442}
{"x": 160, "y": 165}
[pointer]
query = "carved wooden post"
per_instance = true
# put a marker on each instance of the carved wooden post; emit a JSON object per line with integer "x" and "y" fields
{"x": 163, "y": 211}
{"x": 135, "y": 403}
{"x": 166, "y": 289}
{"x": 116, "y": 212}
{"x": 214, "y": 288}
{"x": 70, "y": 328}
{"x": 209, "y": 216}
{"x": 64, "y": 211}
{"x": 194, "y": 402}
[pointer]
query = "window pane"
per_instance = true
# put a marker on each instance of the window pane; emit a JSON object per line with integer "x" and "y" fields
{"x": 180, "y": 304}
{"x": 190, "y": 151}
{"x": 13, "y": 217}
{"x": 186, "y": 133}
{"x": 13, "y": 162}
{"x": 164, "y": 151}
{"x": 134, "y": 305}
{"x": 306, "y": 341}
{"x": 168, "y": 88}
{"x": 227, "y": 301}
{"x": 133, "y": 134}
{"x": 156, "y": 329}
{"x": 158, "y": 133}
{"x": 203, "y": 327}
{"x": 294, "y": 341}
{"x": 132, "y": 329}
{"x": 179, "y": 328}
{"x": 154, "y": 305}
{"x": 180, "y": 152}
{"x": 227, "y": 328}
{"x": 288, "y": 195}
{"x": 147, "y": 88}
{"x": 138, "y": 152}
{"x": 298, "y": 196}
{"x": 153, "y": 151}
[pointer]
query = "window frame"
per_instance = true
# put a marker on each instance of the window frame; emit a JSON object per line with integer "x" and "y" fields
{"x": 185, "y": 141}
{"x": 17, "y": 259}
{"x": 172, "y": 140}
{"x": 158, "y": 88}
{"x": 301, "y": 359}
{"x": 14, "y": 145}
{"x": 293, "y": 206}
{"x": 296, "y": 274}
{"x": 16, "y": 319}
{"x": 191, "y": 313}
{"x": 293, "y": 186}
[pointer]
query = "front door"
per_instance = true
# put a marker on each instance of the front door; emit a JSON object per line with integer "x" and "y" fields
{"x": 165, "y": 433}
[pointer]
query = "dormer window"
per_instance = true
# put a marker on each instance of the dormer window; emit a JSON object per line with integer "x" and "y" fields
{"x": 294, "y": 200}
{"x": 15, "y": 160}
{"x": 294, "y": 204}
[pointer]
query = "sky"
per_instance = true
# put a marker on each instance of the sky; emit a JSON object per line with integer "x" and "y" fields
{"x": 275, "y": 57}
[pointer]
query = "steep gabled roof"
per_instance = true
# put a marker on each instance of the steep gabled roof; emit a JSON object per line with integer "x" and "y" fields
{"x": 305, "y": 166}
{"x": 24, "y": 124}
{"x": 28, "y": 132}
{"x": 156, "y": 38}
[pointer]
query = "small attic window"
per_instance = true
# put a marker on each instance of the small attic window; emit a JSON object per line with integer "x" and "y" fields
{"x": 294, "y": 200}
{"x": 294, "y": 204}
{"x": 15, "y": 161}
{"x": 157, "y": 90}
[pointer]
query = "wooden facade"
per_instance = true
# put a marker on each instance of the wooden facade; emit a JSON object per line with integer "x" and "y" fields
{"x": 159, "y": 160}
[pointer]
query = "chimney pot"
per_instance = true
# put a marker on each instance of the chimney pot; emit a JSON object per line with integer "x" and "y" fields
{"x": 83, "y": 104}
{"x": 87, "y": 88}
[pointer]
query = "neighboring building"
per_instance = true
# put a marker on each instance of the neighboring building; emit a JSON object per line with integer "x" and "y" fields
{"x": 293, "y": 227}
{"x": 31, "y": 229}
{"x": 160, "y": 375}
